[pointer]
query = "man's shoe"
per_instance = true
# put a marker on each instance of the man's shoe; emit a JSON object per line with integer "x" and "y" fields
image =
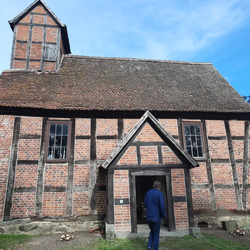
{"x": 149, "y": 248}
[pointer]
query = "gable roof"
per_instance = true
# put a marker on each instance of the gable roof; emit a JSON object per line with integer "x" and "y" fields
{"x": 32, "y": 6}
{"x": 166, "y": 137}
{"x": 122, "y": 84}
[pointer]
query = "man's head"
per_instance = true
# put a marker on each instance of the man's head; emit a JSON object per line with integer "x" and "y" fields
{"x": 157, "y": 185}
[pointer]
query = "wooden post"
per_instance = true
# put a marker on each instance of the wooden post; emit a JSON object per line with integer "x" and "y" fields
{"x": 245, "y": 166}
{"x": 133, "y": 214}
{"x": 40, "y": 170}
{"x": 93, "y": 167}
{"x": 12, "y": 168}
{"x": 209, "y": 168}
{"x": 70, "y": 176}
{"x": 233, "y": 164}
{"x": 170, "y": 203}
{"x": 189, "y": 197}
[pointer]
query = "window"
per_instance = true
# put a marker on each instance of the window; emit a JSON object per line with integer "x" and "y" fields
{"x": 193, "y": 143}
{"x": 58, "y": 143}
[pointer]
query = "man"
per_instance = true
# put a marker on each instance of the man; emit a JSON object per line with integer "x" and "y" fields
{"x": 155, "y": 210}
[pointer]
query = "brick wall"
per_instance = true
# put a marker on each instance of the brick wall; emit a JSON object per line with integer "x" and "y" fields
{"x": 29, "y": 42}
{"x": 6, "y": 130}
{"x": 56, "y": 175}
{"x": 180, "y": 208}
{"x": 121, "y": 191}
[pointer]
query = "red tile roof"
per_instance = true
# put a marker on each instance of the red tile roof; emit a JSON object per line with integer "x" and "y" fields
{"x": 122, "y": 84}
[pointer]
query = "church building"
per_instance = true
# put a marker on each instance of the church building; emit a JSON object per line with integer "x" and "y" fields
{"x": 82, "y": 139}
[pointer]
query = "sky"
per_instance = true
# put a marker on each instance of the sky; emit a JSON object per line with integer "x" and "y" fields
{"x": 215, "y": 31}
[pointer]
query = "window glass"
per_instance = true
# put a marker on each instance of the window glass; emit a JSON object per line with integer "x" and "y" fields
{"x": 193, "y": 140}
{"x": 58, "y": 141}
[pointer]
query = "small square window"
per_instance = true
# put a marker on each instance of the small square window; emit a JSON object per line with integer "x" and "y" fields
{"x": 58, "y": 140}
{"x": 193, "y": 141}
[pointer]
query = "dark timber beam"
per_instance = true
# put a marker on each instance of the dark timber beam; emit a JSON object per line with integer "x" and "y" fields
{"x": 189, "y": 198}
{"x": 233, "y": 165}
{"x": 245, "y": 166}
{"x": 12, "y": 168}
{"x": 209, "y": 168}
{"x": 93, "y": 166}
{"x": 110, "y": 209}
{"x": 70, "y": 176}
{"x": 40, "y": 171}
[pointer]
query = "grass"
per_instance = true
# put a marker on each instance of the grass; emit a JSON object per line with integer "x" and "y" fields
{"x": 8, "y": 241}
{"x": 209, "y": 242}
{"x": 172, "y": 243}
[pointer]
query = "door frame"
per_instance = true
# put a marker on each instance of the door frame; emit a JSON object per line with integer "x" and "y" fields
{"x": 169, "y": 198}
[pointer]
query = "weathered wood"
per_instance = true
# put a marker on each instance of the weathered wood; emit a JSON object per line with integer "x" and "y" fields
{"x": 110, "y": 208}
{"x": 133, "y": 212}
{"x": 25, "y": 190}
{"x": 245, "y": 166}
{"x": 160, "y": 158}
{"x": 13, "y": 48}
{"x": 27, "y": 162}
{"x": 148, "y": 167}
{"x": 170, "y": 203}
{"x": 217, "y": 138}
{"x": 30, "y": 137}
{"x": 83, "y": 137}
{"x": 179, "y": 199}
{"x": 93, "y": 166}
{"x": 209, "y": 168}
{"x": 107, "y": 137}
{"x": 199, "y": 186}
{"x": 238, "y": 138}
{"x": 233, "y": 165}
{"x": 70, "y": 176}
{"x": 58, "y": 41}
{"x": 83, "y": 162}
{"x": 180, "y": 132}
{"x": 29, "y": 42}
{"x": 138, "y": 153}
{"x": 120, "y": 128}
{"x": 44, "y": 41}
{"x": 48, "y": 189}
{"x": 12, "y": 168}
{"x": 143, "y": 143}
{"x": 220, "y": 161}
{"x": 40, "y": 170}
{"x": 189, "y": 198}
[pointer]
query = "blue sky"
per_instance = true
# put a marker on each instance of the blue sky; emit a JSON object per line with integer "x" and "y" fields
{"x": 216, "y": 31}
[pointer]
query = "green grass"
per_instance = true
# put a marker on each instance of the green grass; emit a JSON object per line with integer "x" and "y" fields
{"x": 8, "y": 241}
{"x": 172, "y": 243}
{"x": 209, "y": 242}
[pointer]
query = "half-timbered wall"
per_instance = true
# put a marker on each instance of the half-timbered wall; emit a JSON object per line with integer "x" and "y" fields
{"x": 37, "y": 42}
{"x": 31, "y": 186}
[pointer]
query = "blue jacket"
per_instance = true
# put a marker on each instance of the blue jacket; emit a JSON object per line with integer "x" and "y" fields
{"x": 154, "y": 203}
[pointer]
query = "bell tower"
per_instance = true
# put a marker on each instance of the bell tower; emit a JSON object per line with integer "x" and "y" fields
{"x": 40, "y": 39}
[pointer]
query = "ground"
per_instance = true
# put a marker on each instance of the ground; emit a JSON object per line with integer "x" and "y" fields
{"x": 227, "y": 236}
{"x": 52, "y": 242}
{"x": 83, "y": 239}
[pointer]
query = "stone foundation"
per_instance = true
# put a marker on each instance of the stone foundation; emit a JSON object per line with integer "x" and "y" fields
{"x": 214, "y": 218}
{"x": 47, "y": 227}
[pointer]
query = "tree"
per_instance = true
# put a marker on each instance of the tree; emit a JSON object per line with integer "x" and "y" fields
{"x": 246, "y": 98}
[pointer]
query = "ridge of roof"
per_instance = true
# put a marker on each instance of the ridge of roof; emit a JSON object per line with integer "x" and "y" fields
{"x": 29, "y": 8}
{"x": 136, "y": 59}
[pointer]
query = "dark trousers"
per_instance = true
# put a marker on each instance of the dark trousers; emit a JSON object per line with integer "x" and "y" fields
{"x": 153, "y": 239}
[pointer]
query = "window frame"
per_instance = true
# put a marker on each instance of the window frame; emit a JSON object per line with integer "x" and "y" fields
{"x": 201, "y": 135}
{"x": 58, "y": 122}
